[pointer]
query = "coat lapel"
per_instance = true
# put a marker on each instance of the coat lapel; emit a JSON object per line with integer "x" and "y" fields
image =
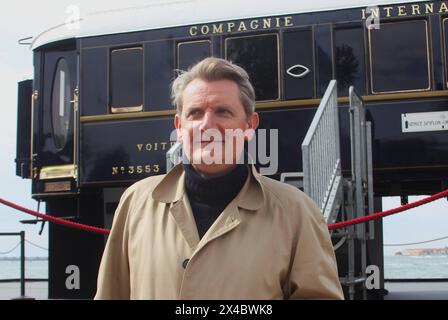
{"x": 183, "y": 215}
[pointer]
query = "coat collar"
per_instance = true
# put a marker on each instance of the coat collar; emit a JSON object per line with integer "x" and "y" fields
{"x": 172, "y": 187}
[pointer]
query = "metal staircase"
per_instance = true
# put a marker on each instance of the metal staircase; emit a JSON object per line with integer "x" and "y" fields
{"x": 340, "y": 197}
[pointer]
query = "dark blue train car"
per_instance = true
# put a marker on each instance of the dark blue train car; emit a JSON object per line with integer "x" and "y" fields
{"x": 97, "y": 115}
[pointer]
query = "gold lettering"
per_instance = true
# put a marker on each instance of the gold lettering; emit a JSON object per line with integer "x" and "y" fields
{"x": 163, "y": 145}
{"x": 139, "y": 146}
{"x": 388, "y": 9}
{"x": 363, "y": 12}
{"x": 242, "y": 27}
{"x": 401, "y": 11}
{"x": 148, "y": 147}
{"x": 130, "y": 170}
{"x": 155, "y": 146}
{"x": 217, "y": 28}
{"x": 429, "y": 8}
{"x": 288, "y": 22}
{"x": 415, "y": 9}
{"x": 266, "y": 23}
{"x": 205, "y": 29}
{"x": 193, "y": 31}
{"x": 375, "y": 12}
{"x": 277, "y": 22}
{"x": 230, "y": 26}
{"x": 254, "y": 24}
{"x": 443, "y": 8}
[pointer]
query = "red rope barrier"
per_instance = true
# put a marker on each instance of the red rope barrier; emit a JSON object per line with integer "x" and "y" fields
{"x": 378, "y": 215}
{"x": 60, "y": 221}
{"x": 338, "y": 225}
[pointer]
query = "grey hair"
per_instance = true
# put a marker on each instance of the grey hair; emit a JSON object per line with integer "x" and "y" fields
{"x": 214, "y": 69}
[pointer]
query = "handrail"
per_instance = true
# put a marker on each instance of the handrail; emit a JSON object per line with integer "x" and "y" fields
{"x": 173, "y": 156}
{"x": 22, "y": 261}
{"x": 321, "y": 156}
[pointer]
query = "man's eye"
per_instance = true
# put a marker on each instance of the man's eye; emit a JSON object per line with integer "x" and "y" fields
{"x": 223, "y": 111}
{"x": 193, "y": 113}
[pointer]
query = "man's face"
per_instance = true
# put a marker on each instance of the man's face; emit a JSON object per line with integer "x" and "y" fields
{"x": 211, "y": 111}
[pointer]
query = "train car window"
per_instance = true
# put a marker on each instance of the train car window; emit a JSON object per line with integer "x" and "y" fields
{"x": 60, "y": 104}
{"x": 445, "y": 44}
{"x": 399, "y": 57}
{"x": 299, "y": 64}
{"x": 189, "y": 53}
{"x": 259, "y": 56}
{"x": 349, "y": 60}
{"x": 126, "y": 80}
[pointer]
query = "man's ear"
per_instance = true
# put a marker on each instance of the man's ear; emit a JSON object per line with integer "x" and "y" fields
{"x": 178, "y": 126}
{"x": 253, "y": 121}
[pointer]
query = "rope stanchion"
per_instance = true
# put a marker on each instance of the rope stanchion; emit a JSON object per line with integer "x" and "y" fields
{"x": 338, "y": 225}
{"x": 343, "y": 224}
{"x": 56, "y": 220}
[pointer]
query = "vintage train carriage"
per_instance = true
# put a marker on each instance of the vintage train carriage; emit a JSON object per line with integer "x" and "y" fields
{"x": 100, "y": 116}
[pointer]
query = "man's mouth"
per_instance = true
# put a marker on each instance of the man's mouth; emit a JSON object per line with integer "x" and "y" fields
{"x": 209, "y": 141}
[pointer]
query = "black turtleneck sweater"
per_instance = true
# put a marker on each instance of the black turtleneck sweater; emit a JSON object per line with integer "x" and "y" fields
{"x": 210, "y": 195}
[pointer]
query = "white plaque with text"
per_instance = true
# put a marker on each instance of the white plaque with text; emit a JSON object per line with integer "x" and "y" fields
{"x": 424, "y": 121}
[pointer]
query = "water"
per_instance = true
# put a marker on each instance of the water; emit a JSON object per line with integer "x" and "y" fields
{"x": 33, "y": 269}
{"x": 395, "y": 267}
{"x": 414, "y": 267}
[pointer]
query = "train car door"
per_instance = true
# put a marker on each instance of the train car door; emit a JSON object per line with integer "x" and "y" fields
{"x": 56, "y": 150}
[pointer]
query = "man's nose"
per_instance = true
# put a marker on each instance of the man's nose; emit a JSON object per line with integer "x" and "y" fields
{"x": 208, "y": 121}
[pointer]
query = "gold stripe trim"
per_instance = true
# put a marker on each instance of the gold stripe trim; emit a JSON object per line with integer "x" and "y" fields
{"x": 400, "y": 96}
{"x": 276, "y": 104}
{"x": 147, "y": 114}
{"x": 126, "y": 109}
{"x": 128, "y": 49}
{"x": 291, "y": 103}
{"x": 410, "y": 168}
{"x": 56, "y": 172}
{"x": 113, "y": 182}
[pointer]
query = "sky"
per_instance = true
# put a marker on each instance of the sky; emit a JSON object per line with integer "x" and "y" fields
{"x": 20, "y": 19}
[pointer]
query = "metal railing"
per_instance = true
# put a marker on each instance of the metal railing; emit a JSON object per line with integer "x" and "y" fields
{"x": 322, "y": 179}
{"x": 361, "y": 157}
{"x": 173, "y": 156}
{"x": 360, "y": 192}
{"x": 22, "y": 262}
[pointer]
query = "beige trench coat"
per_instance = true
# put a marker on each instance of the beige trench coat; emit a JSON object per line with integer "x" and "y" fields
{"x": 270, "y": 242}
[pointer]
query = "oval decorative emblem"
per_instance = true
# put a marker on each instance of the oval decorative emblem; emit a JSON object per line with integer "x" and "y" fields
{"x": 295, "y": 69}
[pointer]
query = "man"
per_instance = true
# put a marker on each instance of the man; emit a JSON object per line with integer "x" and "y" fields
{"x": 216, "y": 229}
